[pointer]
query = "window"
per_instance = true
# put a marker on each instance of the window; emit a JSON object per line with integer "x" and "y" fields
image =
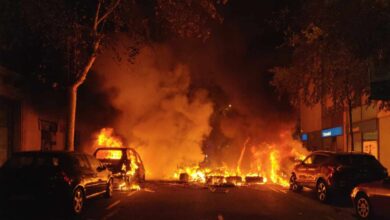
{"x": 81, "y": 162}
{"x": 319, "y": 159}
{"x": 309, "y": 160}
{"x": 93, "y": 162}
{"x": 109, "y": 154}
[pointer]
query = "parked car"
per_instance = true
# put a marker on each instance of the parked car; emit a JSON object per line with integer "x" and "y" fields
{"x": 328, "y": 172}
{"x": 372, "y": 199}
{"x": 66, "y": 178}
{"x": 125, "y": 164}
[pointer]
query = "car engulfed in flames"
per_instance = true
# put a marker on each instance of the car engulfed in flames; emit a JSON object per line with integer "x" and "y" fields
{"x": 124, "y": 162}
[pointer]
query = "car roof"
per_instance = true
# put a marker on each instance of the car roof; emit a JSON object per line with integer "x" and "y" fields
{"x": 114, "y": 148}
{"x": 48, "y": 153}
{"x": 333, "y": 153}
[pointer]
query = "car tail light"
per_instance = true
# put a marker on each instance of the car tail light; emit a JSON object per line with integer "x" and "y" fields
{"x": 66, "y": 178}
{"x": 331, "y": 170}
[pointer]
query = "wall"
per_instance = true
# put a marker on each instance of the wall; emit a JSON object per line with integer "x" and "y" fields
{"x": 32, "y": 129}
{"x": 310, "y": 118}
{"x": 384, "y": 139}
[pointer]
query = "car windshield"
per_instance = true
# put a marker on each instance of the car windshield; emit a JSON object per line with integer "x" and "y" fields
{"x": 109, "y": 154}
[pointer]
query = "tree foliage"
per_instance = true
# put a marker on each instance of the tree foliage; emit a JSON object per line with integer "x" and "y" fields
{"x": 68, "y": 35}
{"x": 337, "y": 45}
{"x": 65, "y": 33}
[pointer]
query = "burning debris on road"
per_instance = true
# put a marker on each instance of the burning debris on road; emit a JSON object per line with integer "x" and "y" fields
{"x": 271, "y": 164}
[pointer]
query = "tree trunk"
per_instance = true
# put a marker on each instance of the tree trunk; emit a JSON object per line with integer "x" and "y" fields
{"x": 350, "y": 123}
{"x": 72, "y": 103}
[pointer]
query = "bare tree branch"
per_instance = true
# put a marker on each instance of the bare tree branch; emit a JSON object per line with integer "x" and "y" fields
{"x": 95, "y": 22}
{"x": 108, "y": 12}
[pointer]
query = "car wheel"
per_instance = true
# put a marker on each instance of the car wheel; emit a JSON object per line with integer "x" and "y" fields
{"x": 109, "y": 189}
{"x": 322, "y": 191}
{"x": 363, "y": 206}
{"x": 78, "y": 201}
{"x": 294, "y": 185}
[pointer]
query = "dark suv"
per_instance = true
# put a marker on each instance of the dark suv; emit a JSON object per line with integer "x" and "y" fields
{"x": 125, "y": 164}
{"x": 65, "y": 178}
{"x": 330, "y": 171}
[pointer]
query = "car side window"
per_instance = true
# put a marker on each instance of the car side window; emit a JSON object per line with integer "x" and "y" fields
{"x": 81, "y": 162}
{"x": 309, "y": 160}
{"x": 94, "y": 162}
{"x": 319, "y": 159}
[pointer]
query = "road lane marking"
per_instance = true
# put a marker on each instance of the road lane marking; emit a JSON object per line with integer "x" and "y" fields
{"x": 277, "y": 190}
{"x": 272, "y": 188}
{"x": 149, "y": 190}
{"x": 113, "y": 205}
{"x": 131, "y": 193}
{"x": 109, "y": 215}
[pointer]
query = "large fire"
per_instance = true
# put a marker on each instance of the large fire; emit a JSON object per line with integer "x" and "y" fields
{"x": 270, "y": 163}
{"x": 106, "y": 138}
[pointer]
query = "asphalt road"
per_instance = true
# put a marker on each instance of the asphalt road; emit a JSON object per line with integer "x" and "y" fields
{"x": 178, "y": 201}
{"x": 165, "y": 200}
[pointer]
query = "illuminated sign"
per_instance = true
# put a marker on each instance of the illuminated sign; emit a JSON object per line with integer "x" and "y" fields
{"x": 331, "y": 132}
{"x": 304, "y": 137}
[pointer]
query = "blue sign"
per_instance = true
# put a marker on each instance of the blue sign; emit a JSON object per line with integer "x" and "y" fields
{"x": 331, "y": 132}
{"x": 304, "y": 137}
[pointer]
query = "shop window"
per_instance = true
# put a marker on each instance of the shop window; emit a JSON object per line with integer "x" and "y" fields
{"x": 373, "y": 135}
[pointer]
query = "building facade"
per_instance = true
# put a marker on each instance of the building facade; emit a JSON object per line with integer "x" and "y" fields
{"x": 22, "y": 126}
{"x": 327, "y": 130}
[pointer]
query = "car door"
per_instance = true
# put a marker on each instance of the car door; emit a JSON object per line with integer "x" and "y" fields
{"x": 87, "y": 176}
{"x": 100, "y": 174}
{"x": 301, "y": 170}
{"x": 381, "y": 199}
{"x": 314, "y": 170}
{"x": 140, "y": 167}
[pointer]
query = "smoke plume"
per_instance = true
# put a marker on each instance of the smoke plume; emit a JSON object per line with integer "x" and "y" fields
{"x": 164, "y": 119}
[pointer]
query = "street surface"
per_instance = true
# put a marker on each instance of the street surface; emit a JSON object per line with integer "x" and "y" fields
{"x": 168, "y": 200}
{"x": 178, "y": 201}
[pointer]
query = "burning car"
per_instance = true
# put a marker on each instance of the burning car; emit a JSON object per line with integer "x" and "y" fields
{"x": 125, "y": 164}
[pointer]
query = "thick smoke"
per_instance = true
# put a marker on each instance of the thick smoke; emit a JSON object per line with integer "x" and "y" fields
{"x": 161, "y": 116}
{"x": 188, "y": 98}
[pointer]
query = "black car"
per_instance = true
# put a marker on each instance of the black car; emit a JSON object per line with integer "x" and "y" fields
{"x": 328, "y": 172}
{"x": 124, "y": 163}
{"x": 371, "y": 200}
{"x": 66, "y": 178}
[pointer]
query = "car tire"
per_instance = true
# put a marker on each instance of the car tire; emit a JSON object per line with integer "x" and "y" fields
{"x": 363, "y": 207}
{"x": 294, "y": 186}
{"x": 109, "y": 189}
{"x": 322, "y": 191}
{"x": 78, "y": 201}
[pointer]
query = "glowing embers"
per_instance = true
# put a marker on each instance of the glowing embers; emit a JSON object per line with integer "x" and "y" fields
{"x": 124, "y": 186}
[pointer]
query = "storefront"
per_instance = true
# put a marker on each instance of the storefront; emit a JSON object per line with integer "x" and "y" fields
{"x": 330, "y": 139}
{"x": 365, "y": 137}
